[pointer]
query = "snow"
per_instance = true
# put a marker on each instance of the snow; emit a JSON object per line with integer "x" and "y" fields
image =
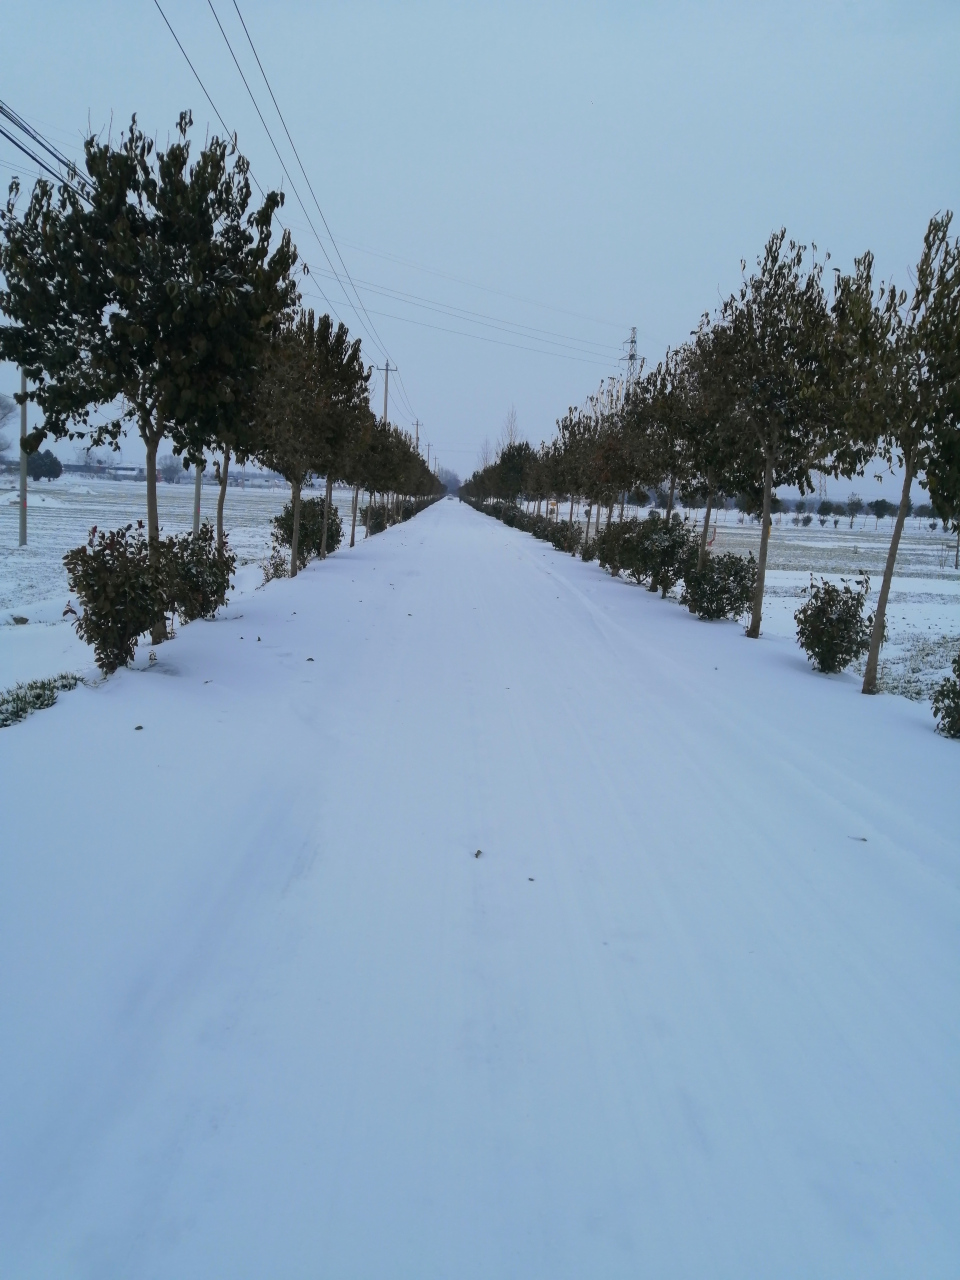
{"x": 692, "y": 1012}
{"x": 923, "y": 617}
{"x": 59, "y": 516}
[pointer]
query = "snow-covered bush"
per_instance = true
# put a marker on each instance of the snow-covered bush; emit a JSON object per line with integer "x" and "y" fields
{"x": 125, "y": 591}
{"x": 946, "y": 703}
{"x": 199, "y": 573}
{"x": 413, "y": 506}
{"x": 831, "y": 628}
{"x": 614, "y": 547}
{"x": 378, "y": 519}
{"x": 650, "y": 550}
{"x": 310, "y": 532}
{"x": 566, "y": 536}
{"x": 723, "y": 587}
{"x": 122, "y": 592}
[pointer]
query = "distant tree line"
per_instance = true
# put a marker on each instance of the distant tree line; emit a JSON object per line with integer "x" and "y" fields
{"x": 786, "y": 379}
{"x": 149, "y": 292}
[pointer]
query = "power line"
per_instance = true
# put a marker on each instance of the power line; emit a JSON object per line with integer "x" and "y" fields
{"x": 229, "y": 132}
{"x": 30, "y": 155}
{"x": 456, "y": 312}
{"x": 372, "y": 329}
{"x": 584, "y": 345}
{"x": 284, "y": 167}
{"x": 223, "y": 123}
{"x": 472, "y": 284}
{"x": 480, "y": 337}
{"x": 302, "y": 169}
{"x": 35, "y": 136}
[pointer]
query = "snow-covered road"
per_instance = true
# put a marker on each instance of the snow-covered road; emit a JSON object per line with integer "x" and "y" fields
{"x": 693, "y": 1012}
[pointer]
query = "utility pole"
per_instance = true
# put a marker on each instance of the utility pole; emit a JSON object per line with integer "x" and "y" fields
{"x": 386, "y": 385}
{"x": 416, "y": 427}
{"x": 23, "y": 462}
{"x": 197, "y": 485}
{"x": 428, "y": 455}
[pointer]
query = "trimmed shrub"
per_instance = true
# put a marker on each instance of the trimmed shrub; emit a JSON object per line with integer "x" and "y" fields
{"x": 723, "y": 587}
{"x": 649, "y": 550}
{"x": 946, "y": 703}
{"x": 831, "y": 628}
{"x": 125, "y": 593}
{"x": 378, "y": 518}
{"x": 566, "y": 536}
{"x": 614, "y": 546}
{"x": 663, "y": 551}
{"x": 122, "y": 593}
{"x": 310, "y": 533}
{"x": 199, "y": 573}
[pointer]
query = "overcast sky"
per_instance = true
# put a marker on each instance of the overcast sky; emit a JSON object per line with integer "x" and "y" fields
{"x": 513, "y": 186}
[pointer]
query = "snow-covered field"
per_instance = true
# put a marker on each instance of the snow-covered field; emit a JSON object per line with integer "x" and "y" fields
{"x": 33, "y": 582}
{"x": 61, "y": 514}
{"x": 693, "y": 1012}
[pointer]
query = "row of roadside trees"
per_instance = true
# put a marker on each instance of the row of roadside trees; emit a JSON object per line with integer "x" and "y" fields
{"x": 150, "y": 292}
{"x": 786, "y": 379}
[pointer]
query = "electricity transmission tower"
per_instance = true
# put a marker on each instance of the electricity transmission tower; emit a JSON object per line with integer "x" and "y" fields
{"x": 631, "y": 357}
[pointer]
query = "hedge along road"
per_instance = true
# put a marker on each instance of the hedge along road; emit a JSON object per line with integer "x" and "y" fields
{"x": 691, "y": 1012}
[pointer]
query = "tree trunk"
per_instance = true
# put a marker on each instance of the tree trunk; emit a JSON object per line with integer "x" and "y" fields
{"x": 197, "y": 491}
{"x": 328, "y": 498}
{"x": 571, "y": 510}
{"x": 153, "y": 519}
{"x": 753, "y": 631}
{"x": 703, "y": 536}
{"x": 295, "y": 495}
{"x": 623, "y": 503}
{"x": 876, "y": 638}
{"x": 956, "y": 558}
{"x": 221, "y": 496}
{"x": 158, "y": 632}
{"x": 366, "y": 532}
{"x": 609, "y": 516}
{"x": 673, "y": 487}
{"x": 353, "y": 520}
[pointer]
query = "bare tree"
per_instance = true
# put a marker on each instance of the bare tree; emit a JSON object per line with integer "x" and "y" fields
{"x": 485, "y": 456}
{"x": 8, "y": 407}
{"x": 169, "y": 468}
{"x": 509, "y": 435}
